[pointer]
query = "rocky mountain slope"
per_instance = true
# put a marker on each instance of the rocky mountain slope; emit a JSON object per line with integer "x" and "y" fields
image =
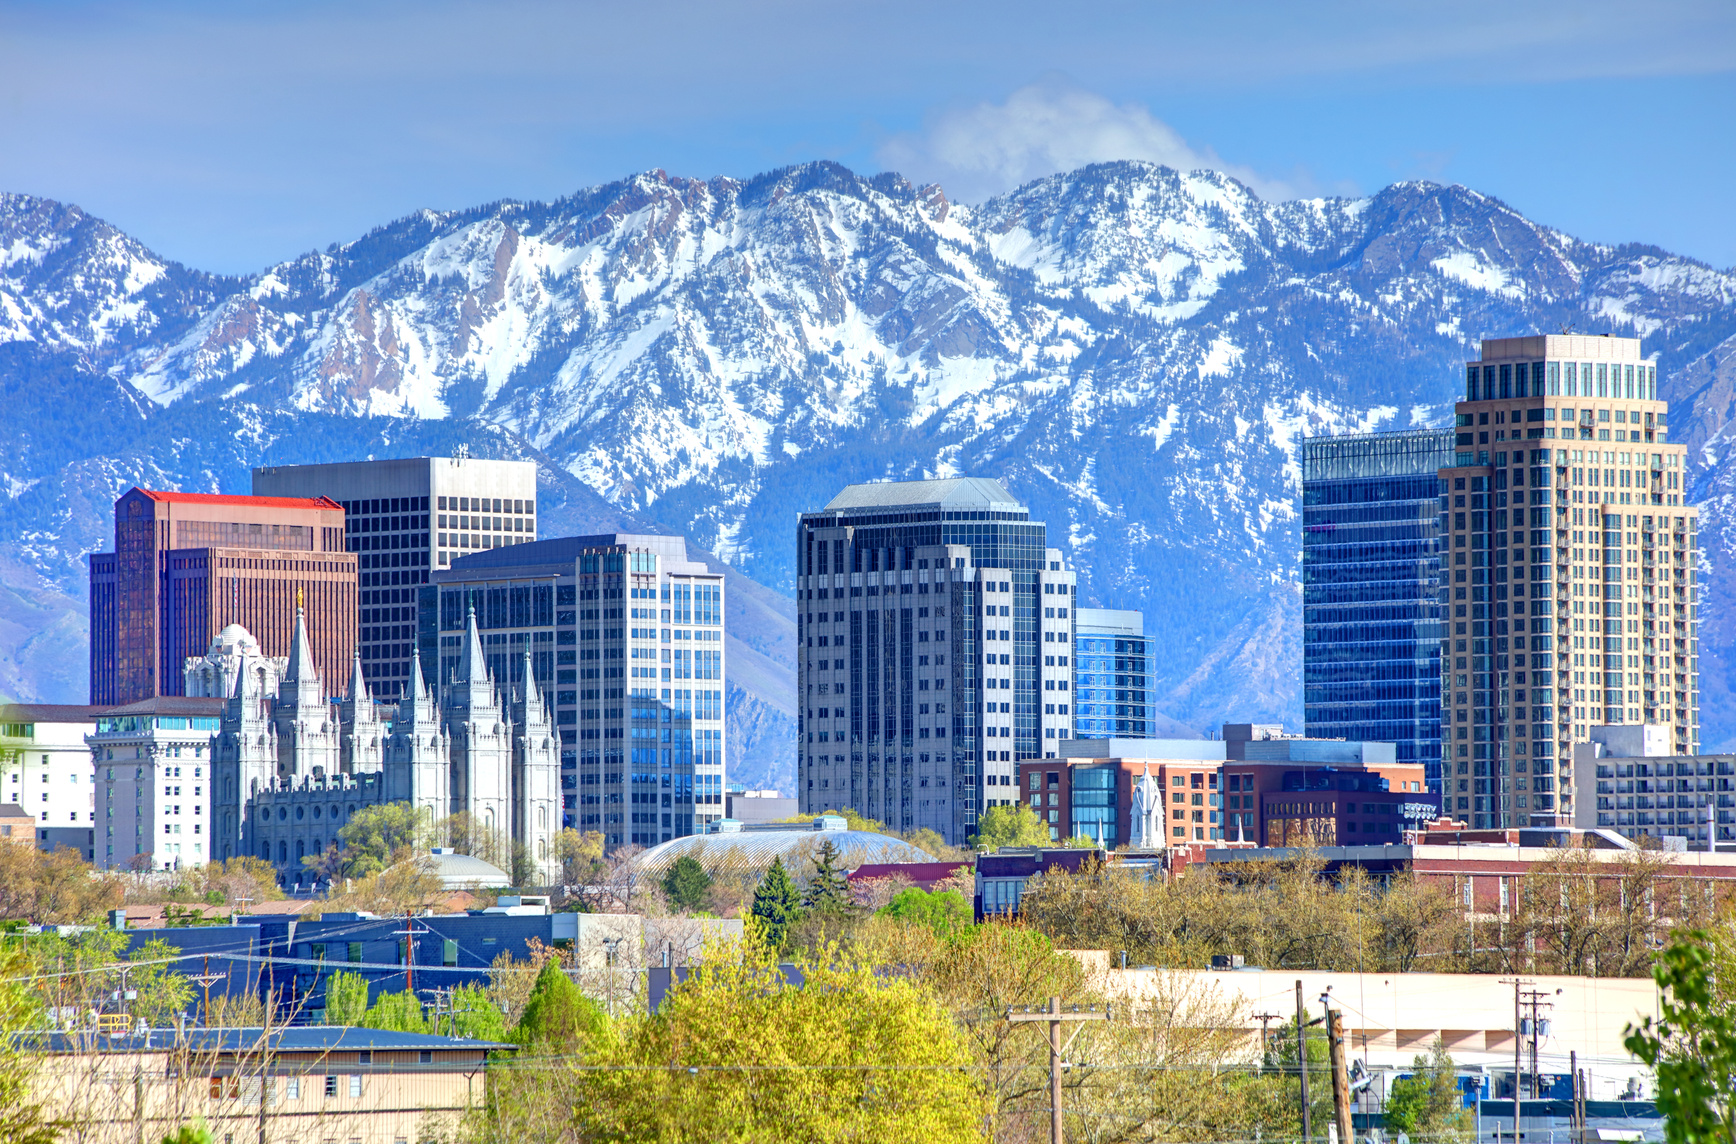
{"x": 1134, "y": 350}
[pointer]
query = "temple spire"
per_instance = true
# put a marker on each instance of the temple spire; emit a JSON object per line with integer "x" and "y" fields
{"x": 301, "y": 682}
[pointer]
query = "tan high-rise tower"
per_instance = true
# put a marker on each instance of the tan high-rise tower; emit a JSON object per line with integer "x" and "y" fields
{"x": 1568, "y": 571}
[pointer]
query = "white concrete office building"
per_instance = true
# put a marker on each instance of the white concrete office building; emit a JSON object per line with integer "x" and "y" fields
{"x": 916, "y": 711}
{"x": 45, "y": 768}
{"x": 153, "y": 783}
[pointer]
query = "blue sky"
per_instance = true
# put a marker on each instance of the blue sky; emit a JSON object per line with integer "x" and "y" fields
{"x": 231, "y": 135}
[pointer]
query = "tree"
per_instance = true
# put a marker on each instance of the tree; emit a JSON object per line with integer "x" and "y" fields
{"x": 377, "y": 836}
{"x": 685, "y": 883}
{"x": 1016, "y": 825}
{"x": 777, "y": 905}
{"x": 396, "y": 1012}
{"x": 410, "y": 885}
{"x": 346, "y": 999}
{"x": 737, "y": 1052}
{"x": 828, "y": 890}
{"x": 1692, "y": 1046}
{"x": 1428, "y": 1103}
{"x": 557, "y": 1016}
{"x": 945, "y": 912}
{"x": 580, "y": 855}
{"x": 194, "y": 1133}
{"x": 22, "y": 1119}
{"x": 53, "y": 888}
{"x": 162, "y": 993}
{"x": 853, "y": 820}
{"x": 475, "y": 1015}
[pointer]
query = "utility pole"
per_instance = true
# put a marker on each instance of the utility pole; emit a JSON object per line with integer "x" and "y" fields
{"x": 1055, "y": 1017}
{"x": 1265, "y": 1020}
{"x": 1340, "y": 1072}
{"x": 1518, "y": 1047}
{"x": 1573, "y": 1075}
{"x": 1534, "y": 998}
{"x": 206, "y": 980}
{"x": 1302, "y": 1066}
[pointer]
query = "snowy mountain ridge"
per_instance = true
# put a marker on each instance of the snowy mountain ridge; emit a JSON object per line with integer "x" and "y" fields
{"x": 1136, "y": 351}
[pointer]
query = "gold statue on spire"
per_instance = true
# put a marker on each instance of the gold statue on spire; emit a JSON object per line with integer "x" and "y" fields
{"x": 298, "y": 597}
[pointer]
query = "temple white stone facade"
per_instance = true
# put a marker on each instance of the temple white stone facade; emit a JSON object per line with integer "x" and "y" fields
{"x": 213, "y": 675}
{"x": 290, "y": 768}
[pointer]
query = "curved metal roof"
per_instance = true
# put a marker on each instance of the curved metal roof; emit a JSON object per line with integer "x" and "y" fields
{"x": 757, "y": 848}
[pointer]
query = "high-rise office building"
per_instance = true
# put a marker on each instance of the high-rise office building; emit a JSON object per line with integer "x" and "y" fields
{"x": 1571, "y": 579}
{"x": 916, "y": 711}
{"x": 1371, "y": 577}
{"x": 187, "y": 565}
{"x": 625, "y": 634}
{"x": 406, "y": 518}
{"x": 1112, "y": 693}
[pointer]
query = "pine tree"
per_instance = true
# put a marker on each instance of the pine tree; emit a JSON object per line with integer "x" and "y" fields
{"x": 828, "y": 889}
{"x": 776, "y": 905}
{"x": 686, "y": 883}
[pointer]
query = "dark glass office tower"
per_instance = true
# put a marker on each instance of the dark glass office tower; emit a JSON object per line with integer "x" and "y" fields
{"x": 1371, "y": 576}
{"x": 936, "y": 629}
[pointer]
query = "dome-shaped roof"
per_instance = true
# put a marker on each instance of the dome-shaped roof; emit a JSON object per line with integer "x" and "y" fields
{"x": 463, "y": 871}
{"x": 796, "y": 844}
{"x": 233, "y": 640}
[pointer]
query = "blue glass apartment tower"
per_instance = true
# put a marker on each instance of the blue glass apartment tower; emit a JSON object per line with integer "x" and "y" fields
{"x": 1371, "y": 577}
{"x": 1112, "y": 696}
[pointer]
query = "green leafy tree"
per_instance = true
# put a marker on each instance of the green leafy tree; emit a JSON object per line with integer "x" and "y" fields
{"x": 686, "y": 882}
{"x": 557, "y": 1014}
{"x": 195, "y": 1133}
{"x": 377, "y": 836}
{"x": 736, "y": 1052}
{"x": 1692, "y": 1046}
{"x": 945, "y": 912}
{"x": 852, "y": 820}
{"x": 346, "y": 999}
{"x": 828, "y": 890}
{"x": 397, "y": 1012}
{"x": 1016, "y": 825}
{"x": 1428, "y": 1103}
{"x": 22, "y": 1119}
{"x": 777, "y": 905}
{"x": 475, "y": 1015}
{"x": 162, "y": 993}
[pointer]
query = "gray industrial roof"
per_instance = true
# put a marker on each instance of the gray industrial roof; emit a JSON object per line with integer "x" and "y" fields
{"x": 796, "y": 846}
{"x": 956, "y": 492}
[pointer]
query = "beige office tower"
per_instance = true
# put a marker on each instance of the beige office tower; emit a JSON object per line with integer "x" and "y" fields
{"x": 1568, "y": 572}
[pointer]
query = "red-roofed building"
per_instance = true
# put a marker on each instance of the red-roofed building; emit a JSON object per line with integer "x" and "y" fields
{"x": 187, "y": 565}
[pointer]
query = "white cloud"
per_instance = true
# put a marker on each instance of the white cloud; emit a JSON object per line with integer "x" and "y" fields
{"x": 1046, "y": 127}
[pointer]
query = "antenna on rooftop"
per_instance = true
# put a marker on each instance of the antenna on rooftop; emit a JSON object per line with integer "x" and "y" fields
{"x": 461, "y": 453}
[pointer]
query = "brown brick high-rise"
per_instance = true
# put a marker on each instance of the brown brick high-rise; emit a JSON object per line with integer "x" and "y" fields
{"x": 186, "y": 565}
{"x": 1568, "y": 569}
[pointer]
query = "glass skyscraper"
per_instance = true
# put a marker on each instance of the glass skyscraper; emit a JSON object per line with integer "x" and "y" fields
{"x": 1112, "y": 696}
{"x": 1371, "y": 577}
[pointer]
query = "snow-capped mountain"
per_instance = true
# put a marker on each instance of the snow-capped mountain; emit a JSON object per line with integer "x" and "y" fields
{"x": 1136, "y": 351}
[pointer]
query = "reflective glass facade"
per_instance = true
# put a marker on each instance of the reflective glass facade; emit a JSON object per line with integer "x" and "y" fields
{"x": 1371, "y": 574}
{"x": 1112, "y": 693}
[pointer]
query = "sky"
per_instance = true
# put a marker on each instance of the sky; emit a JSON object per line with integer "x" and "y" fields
{"x": 233, "y": 135}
